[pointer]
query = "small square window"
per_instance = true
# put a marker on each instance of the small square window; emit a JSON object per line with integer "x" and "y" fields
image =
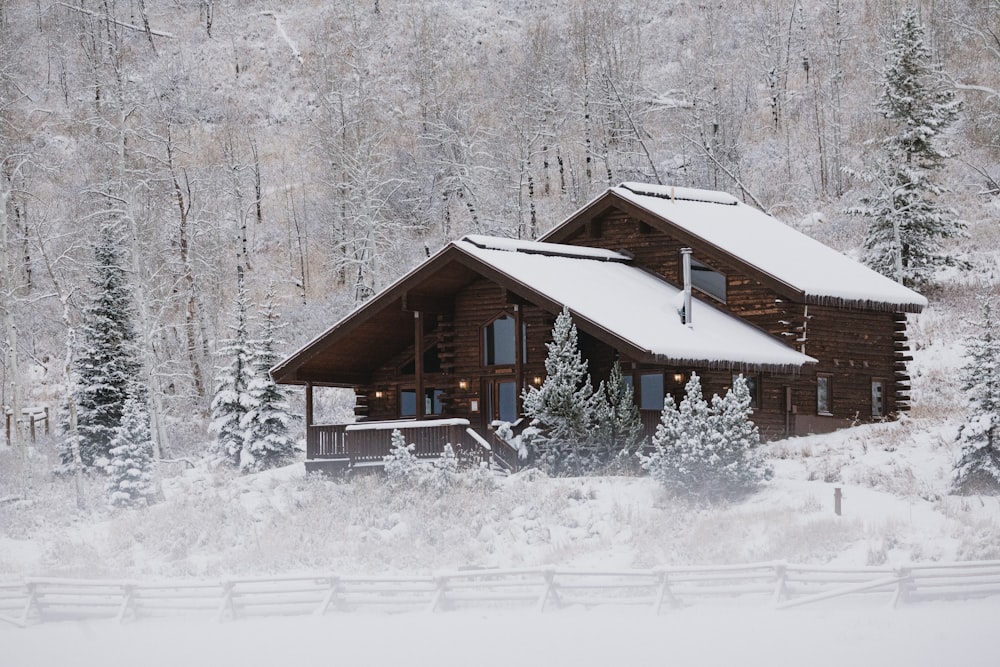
{"x": 878, "y": 398}
{"x": 651, "y": 391}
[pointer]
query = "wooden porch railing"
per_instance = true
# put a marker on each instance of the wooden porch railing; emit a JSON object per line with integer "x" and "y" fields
{"x": 366, "y": 442}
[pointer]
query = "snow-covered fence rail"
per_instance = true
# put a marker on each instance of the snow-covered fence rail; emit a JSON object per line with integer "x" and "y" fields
{"x": 784, "y": 585}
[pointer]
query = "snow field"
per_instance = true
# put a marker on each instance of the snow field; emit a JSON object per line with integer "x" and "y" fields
{"x": 828, "y": 634}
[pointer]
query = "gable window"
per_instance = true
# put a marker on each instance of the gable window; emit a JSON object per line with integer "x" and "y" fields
{"x": 708, "y": 280}
{"x": 878, "y": 398}
{"x": 499, "y": 342}
{"x": 651, "y": 391}
{"x": 824, "y": 395}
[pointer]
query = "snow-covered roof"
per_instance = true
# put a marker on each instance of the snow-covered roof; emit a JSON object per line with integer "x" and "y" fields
{"x": 634, "y": 305}
{"x": 820, "y": 272}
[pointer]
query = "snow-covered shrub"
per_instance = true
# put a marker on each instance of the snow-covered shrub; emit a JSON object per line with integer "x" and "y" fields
{"x": 444, "y": 471}
{"x": 704, "y": 451}
{"x": 401, "y": 466}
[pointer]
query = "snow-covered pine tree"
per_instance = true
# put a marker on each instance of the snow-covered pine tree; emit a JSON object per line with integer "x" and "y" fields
{"x": 741, "y": 467}
{"x": 106, "y": 362}
{"x": 130, "y": 472}
{"x": 707, "y": 452}
{"x": 232, "y": 400}
{"x": 564, "y": 406}
{"x": 619, "y": 426}
{"x": 266, "y": 440}
{"x": 978, "y": 467}
{"x": 908, "y": 222}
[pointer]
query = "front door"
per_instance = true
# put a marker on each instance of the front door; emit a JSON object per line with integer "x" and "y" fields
{"x": 501, "y": 400}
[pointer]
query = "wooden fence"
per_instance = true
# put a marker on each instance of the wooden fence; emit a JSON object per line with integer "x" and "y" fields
{"x": 780, "y": 585}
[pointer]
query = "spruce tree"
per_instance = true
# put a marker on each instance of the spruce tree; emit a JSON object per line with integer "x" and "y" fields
{"x": 266, "y": 439}
{"x": 563, "y": 407}
{"x": 707, "y": 451}
{"x": 978, "y": 467}
{"x": 908, "y": 222}
{"x": 106, "y": 362}
{"x": 232, "y": 400}
{"x": 619, "y": 426}
{"x": 130, "y": 472}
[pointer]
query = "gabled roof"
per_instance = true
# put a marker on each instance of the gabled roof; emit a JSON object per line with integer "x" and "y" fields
{"x": 767, "y": 248}
{"x": 620, "y": 304}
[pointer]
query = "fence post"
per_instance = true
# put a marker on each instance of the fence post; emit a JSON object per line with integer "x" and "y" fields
{"x": 780, "y": 570}
{"x": 32, "y": 422}
{"x": 47, "y": 420}
{"x": 227, "y": 602}
{"x": 548, "y": 590}
{"x": 902, "y": 586}
{"x": 330, "y": 596}
{"x": 127, "y": 590}
{"x": 663, "y": 593}
{"x": 441, "y": 585}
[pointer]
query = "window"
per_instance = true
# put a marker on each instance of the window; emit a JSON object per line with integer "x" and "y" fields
{"x": 753, "y": 386}
{"x": 708, "y": 280}
{"x": 878, "y": 398}
{"x": 499, "y": 342}
{"x": 651, "y": 391}
{"x": 824, "y": 395}
{"x": 408, "y": 402}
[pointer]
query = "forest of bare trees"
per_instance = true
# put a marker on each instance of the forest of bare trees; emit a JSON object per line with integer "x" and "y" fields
{"x": 329, "y": 146}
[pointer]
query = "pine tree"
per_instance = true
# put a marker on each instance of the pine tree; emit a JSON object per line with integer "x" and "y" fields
{"x": 266, "y": 440}
{"x": 130, "y": 472}
{"x": 232, "y": 400}
{"x": 107, "y": 361}
{"x": 907, "y": 220}
{"x": 619, "y": 426}
{"x": 564, "y": 406}
{"x": 707, "y": 452}
{"x": 402, "y": 467}
{"x": 978, "y": 467}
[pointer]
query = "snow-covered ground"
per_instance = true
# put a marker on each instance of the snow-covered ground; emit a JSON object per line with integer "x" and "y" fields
{"x": 931, "y": 635}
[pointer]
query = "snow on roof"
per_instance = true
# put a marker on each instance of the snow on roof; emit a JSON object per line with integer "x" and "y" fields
{"x": 553, "y": 249}
{"x": 770, "y": 245}
{"x": 638, "y": 307}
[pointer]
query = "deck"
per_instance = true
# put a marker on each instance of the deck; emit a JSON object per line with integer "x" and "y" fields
{"x": 340, "y": 447}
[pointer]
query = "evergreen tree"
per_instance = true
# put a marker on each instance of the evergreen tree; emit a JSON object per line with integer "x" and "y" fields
{"x": 106, "y": 363}
{"x": 564, "y": 406}
{"x": 402, "y": 467}
{"x": 266, "y": 440}
{"x": 907, "y": 220}
{"x": 130, "y": 472}
{"x": 619, "y": 426}
{"x": 978, "y": 467}
{"x": 705, "y": 451}
{"x": 232, "y": 400}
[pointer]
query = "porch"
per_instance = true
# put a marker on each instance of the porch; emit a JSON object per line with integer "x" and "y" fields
{"x": 341, "y": 447}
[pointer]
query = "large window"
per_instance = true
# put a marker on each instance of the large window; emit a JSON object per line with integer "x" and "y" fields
{"x": 499, "y": 342}
{"x": 651, "y": 391}
{"x": 824, "y": 395}
{"x": 708, "y": 280}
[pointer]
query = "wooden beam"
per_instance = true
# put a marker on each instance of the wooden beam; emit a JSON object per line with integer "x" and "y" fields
{"x": 309, "y": 404}
{"x": 418, "y": 361}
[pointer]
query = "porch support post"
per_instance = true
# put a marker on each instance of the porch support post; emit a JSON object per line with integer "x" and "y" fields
{"x": 518, "y": 357}
{"x": 418, "y": 361}
{"x": 309, "y": 404}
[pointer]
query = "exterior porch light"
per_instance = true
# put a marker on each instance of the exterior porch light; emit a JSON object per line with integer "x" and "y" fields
{"x": 678, "y": 378}
{"x": 463, "y": 384}
{"x": 537, "y": 380}
{"x": 379, "y": 394}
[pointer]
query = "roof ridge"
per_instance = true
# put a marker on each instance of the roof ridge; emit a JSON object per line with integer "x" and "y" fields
{"x": 681, "y": 193}
{"x": 504, "y": 244}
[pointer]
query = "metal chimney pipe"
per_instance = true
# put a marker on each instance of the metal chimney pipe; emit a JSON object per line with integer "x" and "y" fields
{"x": 686, "y": 263}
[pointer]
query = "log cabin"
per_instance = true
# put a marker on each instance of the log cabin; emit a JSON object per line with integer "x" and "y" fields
{"x": 667, "y": 281}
